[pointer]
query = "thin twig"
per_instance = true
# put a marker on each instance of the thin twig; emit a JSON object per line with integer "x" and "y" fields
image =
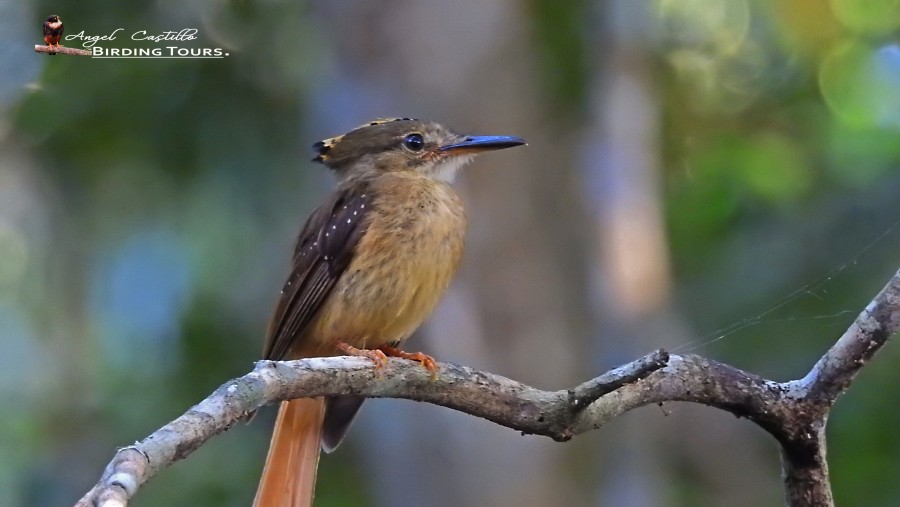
{"x": 62, "y": 50}
{"x": 833, "y": 373}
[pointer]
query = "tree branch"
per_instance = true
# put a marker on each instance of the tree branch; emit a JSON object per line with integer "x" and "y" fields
{"x": 793, "y": 412}
{"x": 61, "y": 50}
{"x": 496, "y": 398}
{"x": 868, "y": 333}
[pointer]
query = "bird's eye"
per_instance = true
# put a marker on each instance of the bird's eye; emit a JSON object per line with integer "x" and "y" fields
{"x": 414, "y": 142}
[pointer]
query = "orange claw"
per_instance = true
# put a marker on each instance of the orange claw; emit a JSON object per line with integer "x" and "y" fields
{"x": 425, "y": 360}
{"x": 376, "y": 355}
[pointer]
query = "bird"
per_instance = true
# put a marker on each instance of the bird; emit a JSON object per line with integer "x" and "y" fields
{"x": 53, "y": 31}
{"x": 369, "y": 265}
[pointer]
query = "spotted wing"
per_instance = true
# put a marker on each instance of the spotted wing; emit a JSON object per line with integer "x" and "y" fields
{"x": 324, "y": 249}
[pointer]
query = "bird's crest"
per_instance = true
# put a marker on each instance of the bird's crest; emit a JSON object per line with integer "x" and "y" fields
{"x": 322, "y": 148}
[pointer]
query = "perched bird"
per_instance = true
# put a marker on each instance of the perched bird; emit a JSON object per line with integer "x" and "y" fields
{"x": 53, "y": 31}
{"x": 369, "y": 266}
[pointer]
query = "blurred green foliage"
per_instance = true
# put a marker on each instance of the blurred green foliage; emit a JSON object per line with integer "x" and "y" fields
{"x": 560, "y": 31}
{"x": 785, "y": 112}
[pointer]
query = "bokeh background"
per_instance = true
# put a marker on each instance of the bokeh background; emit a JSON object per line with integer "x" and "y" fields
{"x": 712, "y": 176}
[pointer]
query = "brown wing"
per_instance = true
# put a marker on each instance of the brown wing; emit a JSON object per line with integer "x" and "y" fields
{"x": 324, "y": 250}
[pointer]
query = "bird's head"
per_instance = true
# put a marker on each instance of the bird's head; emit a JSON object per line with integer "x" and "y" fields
{"x": 52, "y": 19}
{"x": 405, "y": 144}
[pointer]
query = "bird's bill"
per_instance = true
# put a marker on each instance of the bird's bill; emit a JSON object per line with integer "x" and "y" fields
{"x": 477, "y": 144}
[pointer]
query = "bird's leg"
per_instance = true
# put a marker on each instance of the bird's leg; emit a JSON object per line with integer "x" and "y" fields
{"x": 425, "y": 360}
{"x": 376, "y": 355}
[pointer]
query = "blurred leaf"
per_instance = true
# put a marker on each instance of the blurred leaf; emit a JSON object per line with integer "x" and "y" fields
{"x": 560, "y": 30}
{"x": 861, "y": 84}
{"x": 868, "y": 16}
{"x": 860, "y": 156}
{"x": 772, "y": 167}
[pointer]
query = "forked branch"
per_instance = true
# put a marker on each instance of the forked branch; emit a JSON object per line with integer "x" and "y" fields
{"x": 793, "y": 412}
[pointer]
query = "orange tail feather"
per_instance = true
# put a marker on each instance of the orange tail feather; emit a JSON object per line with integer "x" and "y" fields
{"x": 289, "y": 477}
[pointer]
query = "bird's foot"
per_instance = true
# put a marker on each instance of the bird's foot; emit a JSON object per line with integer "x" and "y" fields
{"x": 376, "y": 355}
{"x": 425, "y": 360}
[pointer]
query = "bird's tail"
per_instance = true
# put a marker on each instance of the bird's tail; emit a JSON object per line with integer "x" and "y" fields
{"x": 289, "y": 477}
